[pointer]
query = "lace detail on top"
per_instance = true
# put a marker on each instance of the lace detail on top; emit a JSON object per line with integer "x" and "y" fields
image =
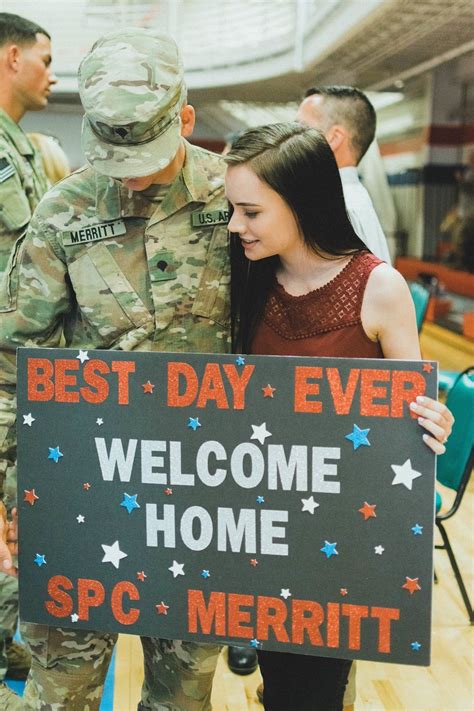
{"x": 335, "y": 305}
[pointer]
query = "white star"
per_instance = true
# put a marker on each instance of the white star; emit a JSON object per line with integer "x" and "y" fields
{"x": 379, "y": 550}
{"x": 285, "y": 592}
{"x": 99, "y": 421}
{"x": 309, "y": 504}
{"x": 177, "y": 569}
{"x": 83, "y": 355}
{"x": 404, "y": 474}
{"x": 74, "y": 617}
{"x": 80, "y": 518}
{"x": 260, "y": 432}
{"x": 113, "y": 554}
{"x": 28, "y": 419}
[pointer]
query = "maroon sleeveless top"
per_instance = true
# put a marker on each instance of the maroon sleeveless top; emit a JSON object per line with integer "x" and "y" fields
{"x": 324, "y": 322}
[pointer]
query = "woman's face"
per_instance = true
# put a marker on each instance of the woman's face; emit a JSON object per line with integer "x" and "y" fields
{"x": 263, "y": 220}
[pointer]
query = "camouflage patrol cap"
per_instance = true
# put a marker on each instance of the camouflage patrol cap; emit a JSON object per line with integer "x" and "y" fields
{"x": 132, "y": 89}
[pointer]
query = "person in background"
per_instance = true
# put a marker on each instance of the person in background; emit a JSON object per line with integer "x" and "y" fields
{"x": 458, "y": 223}
{"x": 464, "y": 237}
{"x": 347, "y": 119}
{"x": 26, "y": 79}
{"x": 25, "y": 84}
{"x": 54, "y": 160}
{"x": 293, "y": 257}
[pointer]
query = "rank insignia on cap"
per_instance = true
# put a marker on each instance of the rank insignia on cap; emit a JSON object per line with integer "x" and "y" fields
{"x": 6, "y": 170}
{"x": 209, "y": 219}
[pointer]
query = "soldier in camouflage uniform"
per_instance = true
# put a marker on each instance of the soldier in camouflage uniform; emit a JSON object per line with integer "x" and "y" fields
{"x": 25, "y": 82}
{"x": 128, "y": 253}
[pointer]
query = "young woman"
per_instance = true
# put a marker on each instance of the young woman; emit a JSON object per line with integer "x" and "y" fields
{"x": 303, "y": 283}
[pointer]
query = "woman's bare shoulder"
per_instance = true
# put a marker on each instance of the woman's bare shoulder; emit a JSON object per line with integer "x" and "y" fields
{"x": 387, "y": 304}
{"x": 385, "y": 284}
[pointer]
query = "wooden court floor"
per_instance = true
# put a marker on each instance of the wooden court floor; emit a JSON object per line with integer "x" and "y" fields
{"x": 447, "y": 685}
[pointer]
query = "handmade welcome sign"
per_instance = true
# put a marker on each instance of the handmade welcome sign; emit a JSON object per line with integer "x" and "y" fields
{"x": 282, "y": 503}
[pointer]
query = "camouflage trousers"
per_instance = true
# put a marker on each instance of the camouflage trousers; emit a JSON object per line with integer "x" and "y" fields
{"x": 69, "y": 667}
{"x": 8, "y": 616}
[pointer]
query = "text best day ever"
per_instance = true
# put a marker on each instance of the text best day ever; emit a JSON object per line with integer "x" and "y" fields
{"x": 375, "y": 392}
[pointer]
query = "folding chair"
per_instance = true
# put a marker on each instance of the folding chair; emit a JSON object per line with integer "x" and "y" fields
{"x": 455, "y": 466}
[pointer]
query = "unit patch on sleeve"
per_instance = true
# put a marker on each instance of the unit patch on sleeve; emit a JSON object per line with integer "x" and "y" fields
{"x": 208, "y": 219}
{"x": 93, "y": 233}
{"x": 6, "y": 170}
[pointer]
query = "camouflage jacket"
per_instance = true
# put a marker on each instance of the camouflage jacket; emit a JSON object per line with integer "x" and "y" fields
{"x": 22, "y": 185}
{"x": 111, "y": 269}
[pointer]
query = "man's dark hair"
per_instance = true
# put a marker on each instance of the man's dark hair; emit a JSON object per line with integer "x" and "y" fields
{"x": 18, "y": 30}
{"x": 351, "y": 108}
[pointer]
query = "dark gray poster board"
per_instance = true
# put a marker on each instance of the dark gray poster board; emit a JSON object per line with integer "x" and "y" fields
{"x": 285, "y": 503}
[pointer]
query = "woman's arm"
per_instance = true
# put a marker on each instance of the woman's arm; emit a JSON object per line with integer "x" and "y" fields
{"x": 388, "y": 315}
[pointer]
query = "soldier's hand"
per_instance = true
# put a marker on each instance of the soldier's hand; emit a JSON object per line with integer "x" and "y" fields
{"x": 8, "y": 541}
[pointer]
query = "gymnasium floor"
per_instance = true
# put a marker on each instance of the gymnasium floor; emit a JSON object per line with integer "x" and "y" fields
{"x": 447, "y": 685}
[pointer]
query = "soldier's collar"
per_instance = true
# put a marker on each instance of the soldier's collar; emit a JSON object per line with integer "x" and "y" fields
{"x": 16, "y": 134}
{"x": 195, "y": 175}
{"x": 114, "y": 201}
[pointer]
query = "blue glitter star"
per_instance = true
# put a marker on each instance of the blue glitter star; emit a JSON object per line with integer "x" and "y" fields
{"x": 194, "y": 423}
{"x": 255, "y": 643}
{"x": 416, "y": 646}
{"x": 205, "y": 574}
{"x": 240, "y": 360}
{"x": 54, "y": 454}
{"x": 40, "y": 560}
{"x": 329, "y": 549}
{"x": 130, "y": 502}
{"x": 358, "y": 437}
{"x": 260, "y": 499}
{"x": 417, "y": 529}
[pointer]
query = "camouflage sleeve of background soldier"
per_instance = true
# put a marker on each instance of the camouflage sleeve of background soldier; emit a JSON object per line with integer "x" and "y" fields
{"x": 34, "y": 299}
{"x": 15, "y": 211}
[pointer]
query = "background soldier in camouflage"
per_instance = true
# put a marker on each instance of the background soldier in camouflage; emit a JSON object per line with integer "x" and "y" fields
{"x": 129, "y": 253}
{"x": 25, "y": 82}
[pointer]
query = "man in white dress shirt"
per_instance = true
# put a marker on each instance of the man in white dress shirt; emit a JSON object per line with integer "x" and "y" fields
{"x": 347, "y": 118}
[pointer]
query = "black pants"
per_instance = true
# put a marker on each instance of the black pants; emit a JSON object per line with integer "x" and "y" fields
{"x": 297, "y": 682}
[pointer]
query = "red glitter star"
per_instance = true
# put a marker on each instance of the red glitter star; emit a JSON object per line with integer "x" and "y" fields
{"x": 141, "y": 575}
{"x": 427, "y": 367}
{"x": 162, "y": 609}
{"x": 148, "y": 387}
{"x": 411, "y": 585}
{"x": 86, "y": 486}
{"x": 268, "y": 391}
{"x": 30, "y": 497}
{"x": 168, "y": 491}
{"x": 368, "y": 511}
{"x": 343, "y": 592}
{"x": 254, "y": 562}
